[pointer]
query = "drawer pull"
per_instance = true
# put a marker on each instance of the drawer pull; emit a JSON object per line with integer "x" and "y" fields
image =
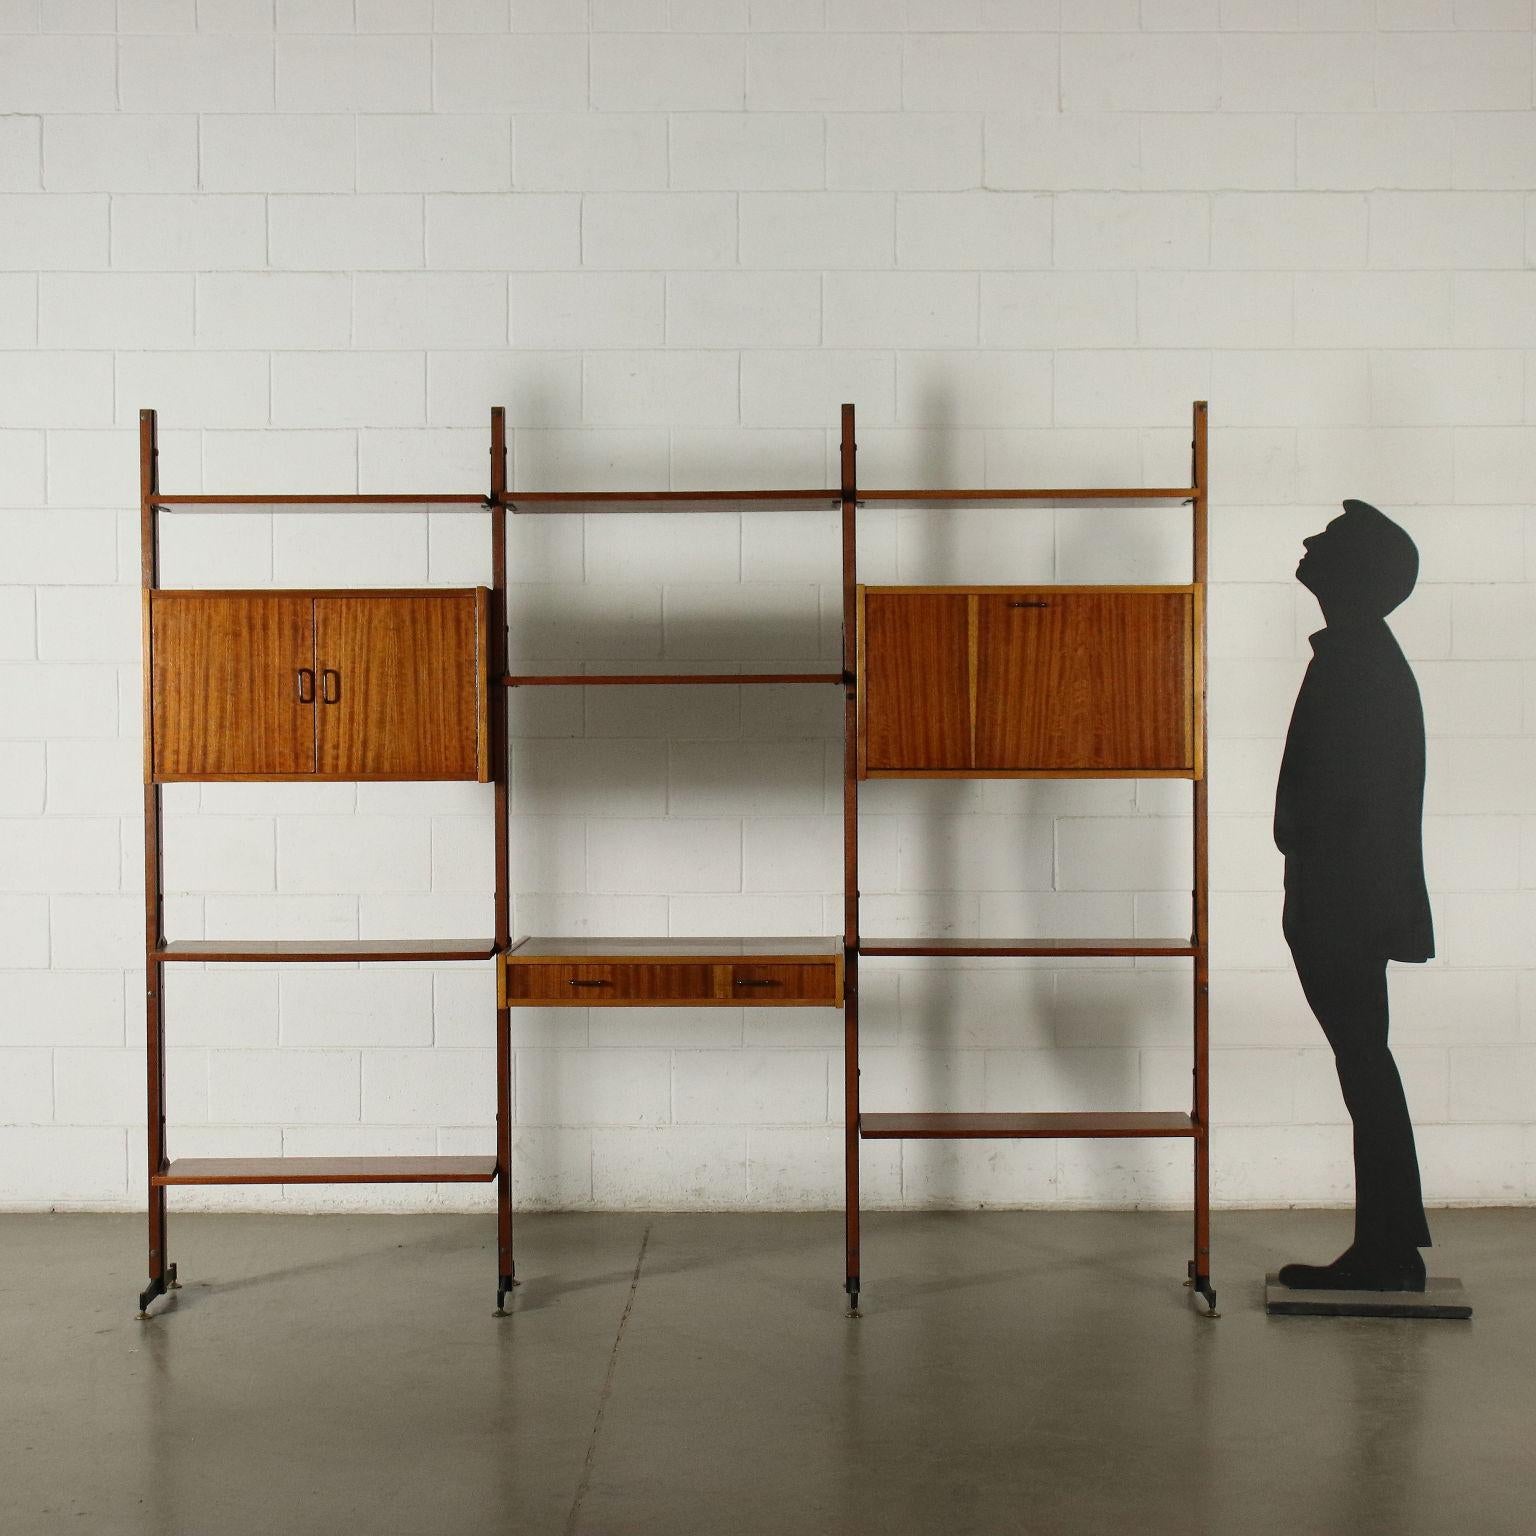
{"x": 589, "y": 983}
{"x": 742, "y": 981}
{"x": 1033, "y": 603}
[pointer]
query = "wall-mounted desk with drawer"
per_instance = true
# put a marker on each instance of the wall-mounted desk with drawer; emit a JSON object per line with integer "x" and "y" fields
{"x": 661, "y": 973}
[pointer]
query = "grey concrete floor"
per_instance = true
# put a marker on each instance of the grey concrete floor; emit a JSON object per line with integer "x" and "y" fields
{"x": 1037, "y": 1372}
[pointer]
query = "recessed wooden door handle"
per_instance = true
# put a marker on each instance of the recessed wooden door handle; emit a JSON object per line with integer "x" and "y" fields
{"x": 330, "y": 686}
{"x": 304, "y": 683}
{"x": 1032, "y": 603}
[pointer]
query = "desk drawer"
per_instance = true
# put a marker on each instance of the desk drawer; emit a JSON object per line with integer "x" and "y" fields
{"x": 815, "y": 982}
{"x": 705, "y": 981}
{"x": 586, "y": 986}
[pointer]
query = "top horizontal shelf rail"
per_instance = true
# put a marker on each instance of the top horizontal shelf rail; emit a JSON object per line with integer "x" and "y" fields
{"x": 338, "y": 503}
{"x": 1037, "y": 493}
{"x": 525, "y": 502}
{"x": 670, "y": 501}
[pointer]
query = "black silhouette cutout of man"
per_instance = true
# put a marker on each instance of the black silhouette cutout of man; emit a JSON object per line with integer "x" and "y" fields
{"x": 1348, "y": 818}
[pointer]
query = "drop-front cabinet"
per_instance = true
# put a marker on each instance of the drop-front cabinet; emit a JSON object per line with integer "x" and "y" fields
{"x": 981, "y": 682}
{"x": 350, "y": 684}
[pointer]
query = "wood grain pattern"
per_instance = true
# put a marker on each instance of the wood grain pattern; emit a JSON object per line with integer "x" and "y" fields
{"x": 405, "y": 672}
{"x": 700, "y": 974}
{"x": 224, "y": 684}
{"x": 779, "y": 984}
{"x": 914, "y": 1126}
{"x": 917, "y": 711}
{"x": 594, "y": 984}
{"x": 1084, "y": 680}
{"x": 1055, "y": 681}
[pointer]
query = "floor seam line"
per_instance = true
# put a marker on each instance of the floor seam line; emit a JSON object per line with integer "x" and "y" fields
{"x": 585, "y": 1481}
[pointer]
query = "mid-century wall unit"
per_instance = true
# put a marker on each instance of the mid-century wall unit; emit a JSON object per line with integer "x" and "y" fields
{"x": 937, "y": 682}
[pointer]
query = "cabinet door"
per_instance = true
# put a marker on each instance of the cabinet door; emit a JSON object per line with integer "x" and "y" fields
{"x": 1099, "y": 681}
{"x": 402, "y": 685}
{"x": 916, "y": 681}
{"x": 233, "y": 684}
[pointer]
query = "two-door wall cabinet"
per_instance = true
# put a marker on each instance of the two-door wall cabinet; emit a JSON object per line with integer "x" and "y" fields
{"x": 981, "y": 682}
{"x": 350, "y": 684}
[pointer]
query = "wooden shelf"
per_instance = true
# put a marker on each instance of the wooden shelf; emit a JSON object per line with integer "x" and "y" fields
{"x": 278, "y": 951}
{"x": 890, "y": 1127}
{"x": 1010, "y": 947}
{"x": 670, "y": 501}
{"x": 409, "y": 502}
{"x": 647, "y": 679}
{"x": 1036, "y": 493}
{"x": 328, "y": 1170}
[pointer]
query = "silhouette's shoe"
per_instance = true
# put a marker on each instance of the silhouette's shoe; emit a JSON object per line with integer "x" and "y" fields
{"x": 1357, "y": 1270}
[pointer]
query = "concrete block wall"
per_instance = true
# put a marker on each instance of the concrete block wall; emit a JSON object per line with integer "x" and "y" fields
{"x": 323, "y": 237}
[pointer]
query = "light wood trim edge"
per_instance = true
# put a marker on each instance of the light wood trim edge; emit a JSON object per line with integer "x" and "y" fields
{"x": 1197, "y": 682}
{"x": 1039, "y": 586}
{"x": 1031, "y": 773}
{"x": 861, "y": 697}
{"x": 483, "y": 685}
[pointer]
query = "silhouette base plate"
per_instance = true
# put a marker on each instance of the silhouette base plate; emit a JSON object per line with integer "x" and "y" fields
{"x": 1442, "y": 1297}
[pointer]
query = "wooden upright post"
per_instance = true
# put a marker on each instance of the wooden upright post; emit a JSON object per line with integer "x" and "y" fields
{"x": 1200, "y": 1265}
{"x": 506, "y": 1269}
{"x": 848, "y": 479}
{"x": 162, "y": 1273}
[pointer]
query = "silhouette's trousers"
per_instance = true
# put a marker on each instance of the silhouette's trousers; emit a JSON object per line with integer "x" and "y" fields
{"x": 1344, "y": 976}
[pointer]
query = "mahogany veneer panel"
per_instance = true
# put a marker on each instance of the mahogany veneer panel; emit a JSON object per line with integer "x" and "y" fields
{"x": 1001, "y": 682}
{"x": 354, "y": 684}
{"x": 328, "y": 1170}
{"x": 916, "y": 680}
{"x": 583, "y": 986}
{"x": 230, "y": 672}
{"x": 688, "y": 972}
{"x": 971, "y": 1126}
{"x": 1096, "y": 680}
{"x": 402, "y": 690}
{"x": 784, "y": 983}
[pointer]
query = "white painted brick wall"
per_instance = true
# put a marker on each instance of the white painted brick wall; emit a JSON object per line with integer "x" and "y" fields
{"x": 323, "y": 237}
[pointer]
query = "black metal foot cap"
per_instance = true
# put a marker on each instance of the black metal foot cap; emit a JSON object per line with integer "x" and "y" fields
{"x": 156, "y": 1287}
{"x": 1202, "y": 1285}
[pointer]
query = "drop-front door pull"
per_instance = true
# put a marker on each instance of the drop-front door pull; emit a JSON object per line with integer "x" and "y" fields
{"x": 1033, "y": 603}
